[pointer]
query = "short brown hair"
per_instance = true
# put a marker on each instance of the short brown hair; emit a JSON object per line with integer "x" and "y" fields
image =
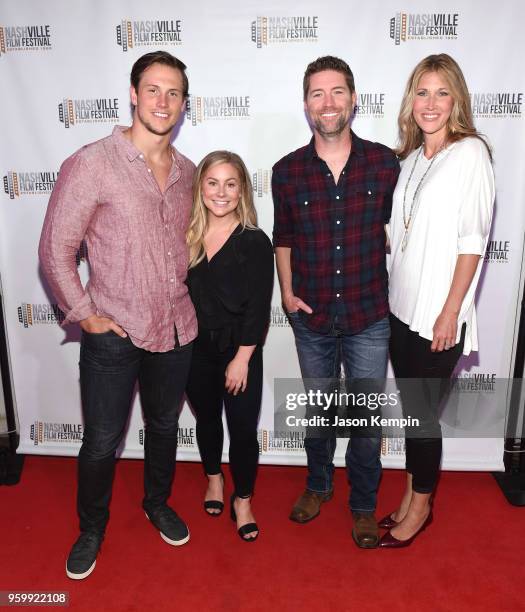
{"x": 158, "y": 57}
{"x": 328, "y": 62}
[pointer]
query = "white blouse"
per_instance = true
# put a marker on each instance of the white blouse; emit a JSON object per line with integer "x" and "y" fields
{"x": 451, "y": 216}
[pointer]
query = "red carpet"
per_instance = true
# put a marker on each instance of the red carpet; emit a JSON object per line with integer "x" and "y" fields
{"x": 470, "y": 558}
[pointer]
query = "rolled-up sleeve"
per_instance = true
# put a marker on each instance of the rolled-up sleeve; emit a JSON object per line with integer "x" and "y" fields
{"x": 477, "y": 193}
{"x": 70, "y": 209}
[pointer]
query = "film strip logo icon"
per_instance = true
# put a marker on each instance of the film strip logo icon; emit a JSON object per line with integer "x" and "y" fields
{"x": 36, "y": 432}
{"x": 12, "y": 185}
{"x": 260, "y": 31}
{"x": 125, "y": 35}
{"x": 2, "y": 40}
{"x": 261, "y": 182}
{"x": 262, "y": 438}
{"x": 25, "y": 315}
{"x": 398, "y": 28}
{"x": 66, "y": 112}
{"x": 392, "y": 446}
{"x": 194, "y": 109}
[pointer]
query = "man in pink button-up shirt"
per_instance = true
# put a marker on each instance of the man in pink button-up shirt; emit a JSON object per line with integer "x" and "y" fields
{"x": 129, "y": 197}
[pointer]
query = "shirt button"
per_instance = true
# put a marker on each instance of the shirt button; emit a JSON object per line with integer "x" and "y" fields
{"x": 172, "y": 280}
{"x": 141, "y": 156}
{"x": 338, "y": 295}
{"x": 338, "y": 247}
{"x": 166, "y": 226}
{"x": 328, "y": 174}
{"x": 149, "y": 169}
{"x": 306, "y": 203}
{"x": 169, "y": 252}
{"x": 337, "y": 197}
{"x": 369, "y": 192}
{"x": 338, "y": 222}
{"x": 343, "y": 172}
{"x": 338, "y": 271}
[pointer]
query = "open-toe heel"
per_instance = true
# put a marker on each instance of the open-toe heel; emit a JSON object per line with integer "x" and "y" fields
{"x": 214, "y": 504}
{"x": 243, "y": 530}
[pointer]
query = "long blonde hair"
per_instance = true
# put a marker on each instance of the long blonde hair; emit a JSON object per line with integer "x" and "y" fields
{"x": 460, "y": 124}
{"x": 245, "y": 210}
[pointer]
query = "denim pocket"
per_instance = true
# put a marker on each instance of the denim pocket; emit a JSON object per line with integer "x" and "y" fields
{"x": 293, "y": 316}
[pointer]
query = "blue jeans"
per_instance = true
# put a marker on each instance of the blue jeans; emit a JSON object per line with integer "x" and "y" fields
{"x": 363, "y": 355}
{"x": 109, "y": 368}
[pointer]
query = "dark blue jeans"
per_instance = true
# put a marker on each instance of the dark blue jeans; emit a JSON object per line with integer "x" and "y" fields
{"x": 109, "y": 368}
{"x": 364, "y": 356}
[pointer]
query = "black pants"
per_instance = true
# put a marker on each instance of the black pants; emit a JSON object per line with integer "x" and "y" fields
{"x": 422, "y": 378}
{"x": 109, "y": 368}
{"x": 207, "y": 393}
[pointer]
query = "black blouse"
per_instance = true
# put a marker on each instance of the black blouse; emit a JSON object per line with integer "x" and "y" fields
{"x": 232, "y": 292}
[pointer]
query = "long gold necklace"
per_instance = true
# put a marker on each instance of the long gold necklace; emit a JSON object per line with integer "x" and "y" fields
{"x": 413, "y": 207}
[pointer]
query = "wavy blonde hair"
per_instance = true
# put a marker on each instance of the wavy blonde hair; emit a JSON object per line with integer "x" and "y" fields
{"x": 245, "y": 211}
{"x": 460, "y": 124}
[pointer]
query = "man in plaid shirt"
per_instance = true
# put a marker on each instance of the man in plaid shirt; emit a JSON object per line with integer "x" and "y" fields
{"x": 332, "y": 199}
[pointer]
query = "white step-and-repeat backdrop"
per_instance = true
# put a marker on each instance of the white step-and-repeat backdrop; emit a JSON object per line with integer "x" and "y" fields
{"x": 64, "y": 73}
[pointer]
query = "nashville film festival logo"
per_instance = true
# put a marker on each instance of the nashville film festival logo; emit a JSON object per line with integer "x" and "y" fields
{"x": 475, "y": 383}
{"x": 25, "y": 38}
{"x": 42, "y": 432}
{"x": 152, "y": 32}
{"x": 39, "y": 314}
{"x": 497, "y": 251}
{"x": 185, "y": 437}
{"x": 499, "y": 105}
{"x": 278, "y": 317}
{"x": 370, "y": 105}
{"x": 424, "y": 26}
{"x": 203, "y": 108}
{"x": 269, "y": 30}
{"x": 88, "y": 110}
{"x": 29, "y": 183}
{"x": 261, "y": 182}
{"x": 280, "y": 441}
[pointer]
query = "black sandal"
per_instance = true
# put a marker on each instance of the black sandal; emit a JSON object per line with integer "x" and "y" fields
{"x": 214, "y": 504}
{"x": 243, "y": 530}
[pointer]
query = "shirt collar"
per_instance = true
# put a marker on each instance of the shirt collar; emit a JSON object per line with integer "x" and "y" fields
{"x": 358, "y": 147}
{"x": 132, "y": 153}
{"x": 124, "y": 144}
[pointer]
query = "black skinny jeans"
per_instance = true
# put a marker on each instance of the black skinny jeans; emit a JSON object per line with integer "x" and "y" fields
{"x": 109, "y": 368}
{"x": 207, "y": 393}
{"x": 421, "y": 396}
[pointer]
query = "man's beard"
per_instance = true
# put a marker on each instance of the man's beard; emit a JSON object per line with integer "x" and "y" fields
{"x": 337, "y": 129}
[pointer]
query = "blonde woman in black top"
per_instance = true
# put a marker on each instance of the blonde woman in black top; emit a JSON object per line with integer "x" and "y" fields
{"x": 230, "y": 281}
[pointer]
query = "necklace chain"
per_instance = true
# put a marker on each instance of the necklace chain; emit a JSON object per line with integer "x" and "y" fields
{"x": 413, "y": 205}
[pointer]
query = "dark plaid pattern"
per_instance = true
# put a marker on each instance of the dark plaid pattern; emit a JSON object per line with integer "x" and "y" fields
{"x": 336, "y": 232}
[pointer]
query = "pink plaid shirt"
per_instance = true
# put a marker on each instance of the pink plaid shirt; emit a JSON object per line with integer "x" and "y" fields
{"x": 135, "y": 237}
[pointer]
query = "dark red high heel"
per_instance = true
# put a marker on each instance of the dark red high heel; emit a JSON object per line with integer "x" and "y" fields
{"x": 387, "y": 522}
{"x": 389, "y": 541}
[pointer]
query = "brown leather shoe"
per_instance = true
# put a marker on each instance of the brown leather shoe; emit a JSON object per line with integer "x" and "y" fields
{"x": 365, "y": 532}
{"x": 308, "y": 506}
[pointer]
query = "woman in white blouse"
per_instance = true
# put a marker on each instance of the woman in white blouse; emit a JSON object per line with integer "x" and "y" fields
{"x": 441, "y": 217}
